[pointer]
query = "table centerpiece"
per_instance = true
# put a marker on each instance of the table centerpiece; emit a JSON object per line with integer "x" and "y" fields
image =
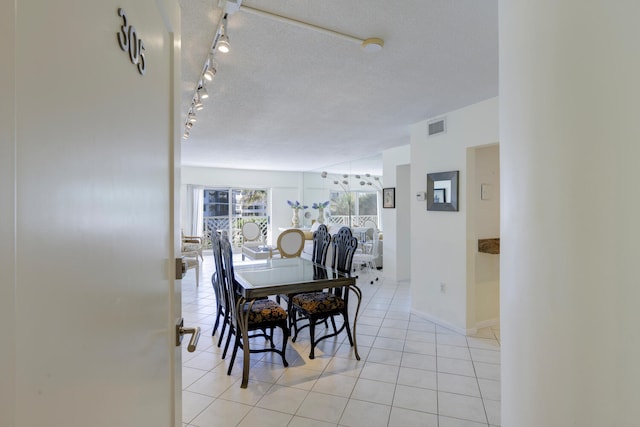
{"x": 296, "y": 206}
{"x": 320, "y": 206}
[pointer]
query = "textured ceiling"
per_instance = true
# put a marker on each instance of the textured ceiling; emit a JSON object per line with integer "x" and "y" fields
{"x": 290, "y": 98}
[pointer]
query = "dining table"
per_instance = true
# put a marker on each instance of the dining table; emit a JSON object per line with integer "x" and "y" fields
{"x": 276, "y": 276}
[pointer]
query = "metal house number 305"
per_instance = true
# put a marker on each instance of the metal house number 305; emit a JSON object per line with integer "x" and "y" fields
{"x": 129, "y": 41}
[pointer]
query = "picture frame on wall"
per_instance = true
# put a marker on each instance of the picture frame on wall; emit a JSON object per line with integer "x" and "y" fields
{"x": 389, "y": 197}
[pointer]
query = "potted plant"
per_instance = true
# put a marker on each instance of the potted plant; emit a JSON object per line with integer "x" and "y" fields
{"x": 320, "y": 207}
{"x": 296, "y": 206}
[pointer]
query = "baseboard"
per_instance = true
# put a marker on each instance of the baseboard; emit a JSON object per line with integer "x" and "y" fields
{"x": 488, "y": 323}
{"x": 444, "y": 324}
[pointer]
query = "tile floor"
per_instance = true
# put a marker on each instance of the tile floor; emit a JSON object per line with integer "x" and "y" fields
{"x": 412, "y": 372}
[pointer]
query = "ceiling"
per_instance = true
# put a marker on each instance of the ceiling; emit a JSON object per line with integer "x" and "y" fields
{"x": 289, "y": 98}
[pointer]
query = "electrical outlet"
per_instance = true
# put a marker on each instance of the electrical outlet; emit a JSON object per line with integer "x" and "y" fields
{"x": 443, "y": 287}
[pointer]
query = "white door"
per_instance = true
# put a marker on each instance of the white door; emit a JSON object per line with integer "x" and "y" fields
{"x": 88, "y": 199}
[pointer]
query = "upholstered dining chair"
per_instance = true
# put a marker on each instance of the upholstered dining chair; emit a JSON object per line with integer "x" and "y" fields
{"x": 261, "y": 314}
{"x": 192, "y": 244}
{"x": 319, "y": 306}
{"x": 321, "y": 242}
{"x": 290, "y": 243}
{"x": 217, "y": 281}
{"x": 250, "y": 232}
{"x": 191, "y": 250}
{"x": 251, "y": 236}
{"x": 223, "y": 309}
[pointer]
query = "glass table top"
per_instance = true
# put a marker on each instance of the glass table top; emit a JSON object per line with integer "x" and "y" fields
{"x": 286, "y": 275}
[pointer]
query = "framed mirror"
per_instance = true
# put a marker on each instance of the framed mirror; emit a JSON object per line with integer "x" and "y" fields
{"x": 442, "y": 191}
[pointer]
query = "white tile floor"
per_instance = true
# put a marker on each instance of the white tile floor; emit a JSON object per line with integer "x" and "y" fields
{"x": 412, "y": 373}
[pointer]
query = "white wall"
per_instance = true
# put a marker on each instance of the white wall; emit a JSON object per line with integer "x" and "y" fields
{"x": 284, "y": 185}
{"x": 441, "y": 249}
{"x": 7, "y": 214}
{"x": 396, "y": 248}
{"x": 570, "y": 214}
{"x": 403, "y": 222}
{"x": 316, "y": 190}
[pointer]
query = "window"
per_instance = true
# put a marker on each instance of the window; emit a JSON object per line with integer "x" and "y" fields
{"x": 216, "y": 203}
{"x": 225, "y": 209}
{"x": 353, "y": 208}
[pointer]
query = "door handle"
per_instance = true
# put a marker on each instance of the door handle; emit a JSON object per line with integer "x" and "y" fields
{"x": 182, "y": 331}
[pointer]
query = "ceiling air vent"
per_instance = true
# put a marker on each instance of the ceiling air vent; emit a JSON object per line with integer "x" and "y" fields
{"x": 437, "y": 127}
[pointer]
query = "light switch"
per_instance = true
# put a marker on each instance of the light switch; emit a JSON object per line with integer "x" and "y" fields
{"x": 485, "y": 192}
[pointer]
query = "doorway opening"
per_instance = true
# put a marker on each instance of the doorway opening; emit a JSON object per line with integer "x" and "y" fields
{"x": 484, "y": 207}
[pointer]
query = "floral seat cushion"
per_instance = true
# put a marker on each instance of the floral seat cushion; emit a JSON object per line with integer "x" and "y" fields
{"x": 318, "y": 302}
{"x": 265, "y": 310}
{"x": 191, "y": 247}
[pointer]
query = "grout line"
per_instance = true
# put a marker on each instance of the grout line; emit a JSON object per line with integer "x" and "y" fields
{"x": 473, "y": 363}
{"x": 385, "y": 298}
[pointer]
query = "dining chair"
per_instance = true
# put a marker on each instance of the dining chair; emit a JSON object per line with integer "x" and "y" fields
{"x": 217, "y": 280}
{"x": 191, "y": 250}
{"x": 319, "y": 306}
{"x": 259, "y": 315}
{"x": 192, "y": 244}
{"x": 251, "y": 235}
{"x": 223, "y": 310}
{"x": 250, "y": 231}
{"x": 321, "y": 242}
{"x": 290, "y": 243}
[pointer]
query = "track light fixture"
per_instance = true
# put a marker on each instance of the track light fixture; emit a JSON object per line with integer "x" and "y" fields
{"x": 223, "y": 44}
{"x": 223, "y": 41}
{"x": 202, "y": 91}
{"x": 371, "y": 44}
{"x": 220, "y": 43}
{"x": 197, "y": 103}
{"x": 211, "y": 70}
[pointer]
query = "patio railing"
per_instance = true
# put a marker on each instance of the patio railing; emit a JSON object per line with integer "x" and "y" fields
{"x": 233, "y": 225}
{"x": 356, "y": 220}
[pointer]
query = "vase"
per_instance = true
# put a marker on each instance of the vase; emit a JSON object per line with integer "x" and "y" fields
{"x": 295, "y": 220}
{"x": 321, "y": 215}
